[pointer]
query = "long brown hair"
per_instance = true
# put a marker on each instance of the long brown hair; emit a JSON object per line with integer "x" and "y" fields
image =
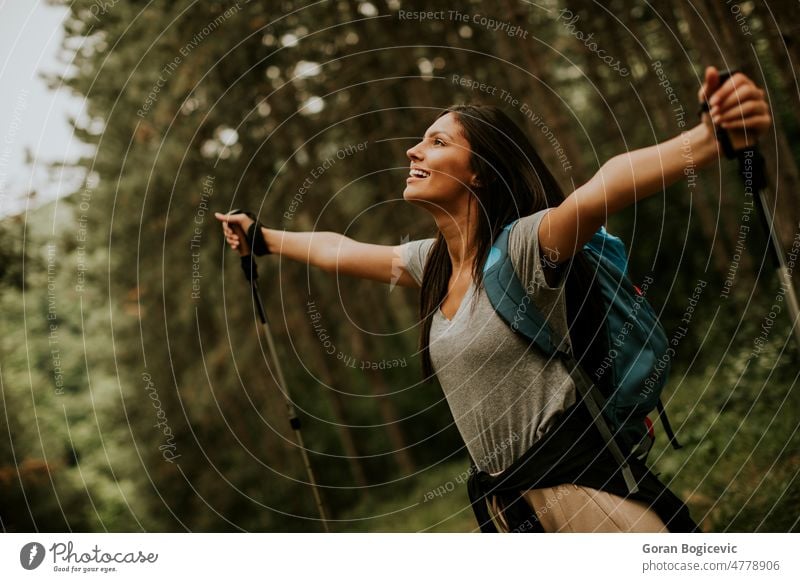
{"x": 513, "y": 181}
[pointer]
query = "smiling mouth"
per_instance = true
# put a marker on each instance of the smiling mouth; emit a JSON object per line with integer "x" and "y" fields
{"x": 418, "y": 174}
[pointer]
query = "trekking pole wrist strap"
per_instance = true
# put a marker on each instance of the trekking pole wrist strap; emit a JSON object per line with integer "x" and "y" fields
{"x": 255, "y": 236}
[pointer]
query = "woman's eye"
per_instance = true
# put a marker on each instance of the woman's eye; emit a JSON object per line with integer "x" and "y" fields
{"x": 438, "y": 141}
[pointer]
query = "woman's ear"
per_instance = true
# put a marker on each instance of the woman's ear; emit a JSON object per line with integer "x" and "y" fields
{"x": 474, "y": 182}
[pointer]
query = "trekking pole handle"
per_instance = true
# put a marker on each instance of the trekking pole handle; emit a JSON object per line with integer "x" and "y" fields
{"x": 244, "y": 246}
{"x": 733, "y": 149}
{"x": 721, "y": 133}
{"x": 249, "y": 265}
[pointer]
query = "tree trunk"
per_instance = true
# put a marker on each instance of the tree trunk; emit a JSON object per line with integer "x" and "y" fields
{"x": 532, "y": 56}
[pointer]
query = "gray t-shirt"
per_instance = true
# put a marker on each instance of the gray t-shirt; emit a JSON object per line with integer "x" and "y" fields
{"x": 503, "y": 393}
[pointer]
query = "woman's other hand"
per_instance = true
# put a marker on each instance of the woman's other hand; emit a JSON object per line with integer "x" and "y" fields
{"x": 738, "y": 105}
{"x": 231, "y": 234}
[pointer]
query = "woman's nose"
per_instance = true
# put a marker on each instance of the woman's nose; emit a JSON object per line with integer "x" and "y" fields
{"x": 412, "y": 153}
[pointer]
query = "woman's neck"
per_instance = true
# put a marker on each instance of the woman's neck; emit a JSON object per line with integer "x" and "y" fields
{"x": 458, "y": 230}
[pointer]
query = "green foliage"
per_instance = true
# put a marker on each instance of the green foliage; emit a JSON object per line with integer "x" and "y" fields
{"x": 737, "y": 421}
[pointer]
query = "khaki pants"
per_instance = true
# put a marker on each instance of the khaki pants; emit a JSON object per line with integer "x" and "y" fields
{"x": 574, "y": 508}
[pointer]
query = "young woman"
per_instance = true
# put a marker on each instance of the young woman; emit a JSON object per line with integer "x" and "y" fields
{"x": 475, "y": 171}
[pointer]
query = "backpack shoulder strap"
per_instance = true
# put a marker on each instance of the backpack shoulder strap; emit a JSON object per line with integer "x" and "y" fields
{"x": 511, "y": 300}
{"x": 512, "y": 303}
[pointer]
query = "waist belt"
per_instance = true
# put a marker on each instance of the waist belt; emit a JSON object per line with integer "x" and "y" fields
{"x": 572, "y": 451}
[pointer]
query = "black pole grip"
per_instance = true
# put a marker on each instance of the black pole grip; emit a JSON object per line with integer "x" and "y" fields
{"x": 250, "y": 267}
{"x": 722, "y": 133}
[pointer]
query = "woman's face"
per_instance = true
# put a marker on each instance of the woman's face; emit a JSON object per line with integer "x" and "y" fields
{"x": 443, "y": 156}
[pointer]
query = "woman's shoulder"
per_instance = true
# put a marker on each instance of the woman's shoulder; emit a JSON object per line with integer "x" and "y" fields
{"x": 529, "y": 264}
{"x": 414, "y": 255}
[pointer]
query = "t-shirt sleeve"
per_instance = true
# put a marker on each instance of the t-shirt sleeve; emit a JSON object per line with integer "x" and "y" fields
{"x": 414, "y": 255}
{"x": 523, "y": 248}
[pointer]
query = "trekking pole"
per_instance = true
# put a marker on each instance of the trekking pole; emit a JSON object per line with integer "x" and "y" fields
{"x": 250, "y": 269}
{"x": 778, "y": 259}
{"x": 753, "y": 174}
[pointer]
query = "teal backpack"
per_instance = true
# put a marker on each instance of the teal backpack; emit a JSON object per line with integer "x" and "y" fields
{"x": 636, "y": 364}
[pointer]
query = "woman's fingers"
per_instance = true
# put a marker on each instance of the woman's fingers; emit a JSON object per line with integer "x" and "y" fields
{"x": 230, "y": 234}
{"x": 729, "y": 87}
{"x": 240, "y": 219}
{"x": 232, "y": 239}
{"x": 747, "y": 109}
{"x": 226, "y": 218}
{"x": 710, "y": 84}
{"x": 743, "y": 94}
{"x": 752, "y": 115}
{"x": 757, "y": 123}
{"x": 740, "y": 106}
{"x": 735, "y": 92}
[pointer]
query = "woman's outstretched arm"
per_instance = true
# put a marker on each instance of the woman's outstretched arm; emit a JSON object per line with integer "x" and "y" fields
{"x": 329, "y": 251}
{"x": 627, "y": 178}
